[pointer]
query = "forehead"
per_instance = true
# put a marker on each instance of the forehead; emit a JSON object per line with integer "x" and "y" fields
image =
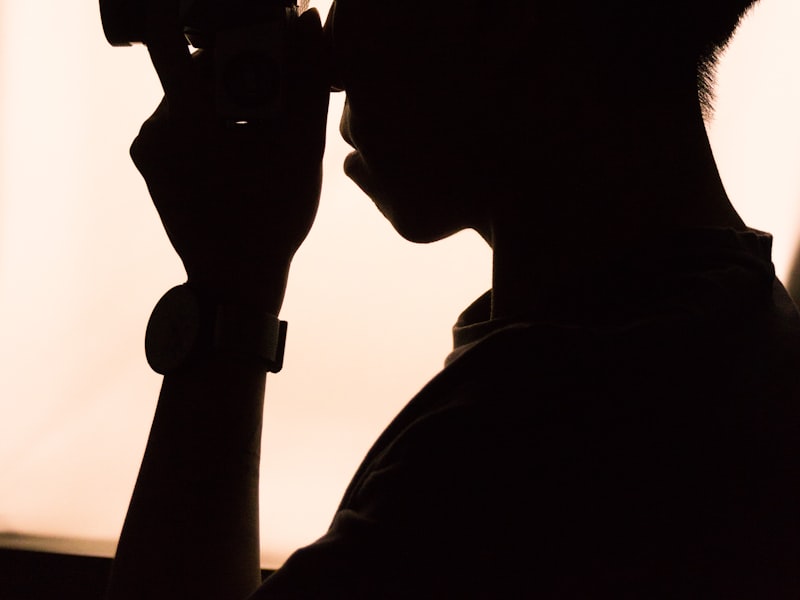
{"x": 371, "y": 37}
{"x": 401, "y": 27}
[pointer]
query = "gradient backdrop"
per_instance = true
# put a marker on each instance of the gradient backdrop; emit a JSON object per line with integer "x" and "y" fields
{"x": 83, "y": 260}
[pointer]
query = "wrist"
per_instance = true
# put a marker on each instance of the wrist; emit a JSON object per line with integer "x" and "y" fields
{"x": 253, "y": 294}
{"x": 189, "y": 325}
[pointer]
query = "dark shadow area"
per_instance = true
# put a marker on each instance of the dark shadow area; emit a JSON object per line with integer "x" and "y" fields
{"x": 31, "y": 575}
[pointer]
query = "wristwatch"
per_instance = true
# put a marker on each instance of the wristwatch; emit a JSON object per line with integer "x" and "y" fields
{"x": 186, "y": 326}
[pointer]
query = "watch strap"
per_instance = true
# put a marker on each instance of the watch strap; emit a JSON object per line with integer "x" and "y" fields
{"x": 250, "y": 335}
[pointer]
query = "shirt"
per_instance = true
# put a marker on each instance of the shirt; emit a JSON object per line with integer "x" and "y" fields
{"x": 642, "y": 442}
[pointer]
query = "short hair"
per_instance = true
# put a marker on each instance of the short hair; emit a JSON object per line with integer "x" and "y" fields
{"x": 716, "y": 24}
{"x": 663, "y": 34}
{"x": 689, "y": 26}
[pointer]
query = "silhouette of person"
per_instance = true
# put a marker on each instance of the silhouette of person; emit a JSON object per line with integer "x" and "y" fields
{"x": 619, "y": 416}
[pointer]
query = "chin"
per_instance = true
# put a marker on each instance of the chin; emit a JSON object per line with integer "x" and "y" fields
{"x": 417, "y": 216}
{"x": 416, "y": 211}
{"x": 419, "y": 229}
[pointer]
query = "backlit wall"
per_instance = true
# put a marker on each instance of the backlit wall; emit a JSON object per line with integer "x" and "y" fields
{"x": 83, "y": 259}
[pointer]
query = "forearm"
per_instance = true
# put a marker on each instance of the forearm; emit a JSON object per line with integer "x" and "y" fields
{"x": 192, "y": 525}
{"x": 236, "y": 209}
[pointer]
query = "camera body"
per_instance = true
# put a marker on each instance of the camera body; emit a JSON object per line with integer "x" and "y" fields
{"x": 249, "y": 40}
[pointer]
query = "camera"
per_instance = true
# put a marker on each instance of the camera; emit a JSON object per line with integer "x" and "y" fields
{"x": 249, "y": 40}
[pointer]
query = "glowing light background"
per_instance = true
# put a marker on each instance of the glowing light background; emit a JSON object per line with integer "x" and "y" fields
{"x": 83, "y": 259}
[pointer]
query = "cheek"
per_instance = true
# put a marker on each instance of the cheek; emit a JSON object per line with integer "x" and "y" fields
{"x": 424, "y": 193}
{"x": 436, "y": 145}
{"x": 416, "y": 210}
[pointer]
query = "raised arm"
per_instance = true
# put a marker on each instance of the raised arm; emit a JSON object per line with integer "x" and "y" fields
{"x": 236, "y": 202}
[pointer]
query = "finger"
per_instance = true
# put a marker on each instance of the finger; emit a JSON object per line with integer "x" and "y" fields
{"x": 308, "y": 86}
{"x": 169, "y": 51}
{"x": 334, "y": 77}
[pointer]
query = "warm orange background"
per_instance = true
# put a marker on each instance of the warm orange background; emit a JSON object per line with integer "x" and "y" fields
{"x": 83, "y": 259}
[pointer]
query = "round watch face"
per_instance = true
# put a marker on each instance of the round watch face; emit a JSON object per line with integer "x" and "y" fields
{"x": 173, "y": 330}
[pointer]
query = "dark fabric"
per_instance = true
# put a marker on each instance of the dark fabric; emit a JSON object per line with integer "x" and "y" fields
{"x": 644, "y": 444}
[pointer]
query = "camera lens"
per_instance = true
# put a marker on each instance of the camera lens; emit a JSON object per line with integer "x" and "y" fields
{"x": 123, "y": 21}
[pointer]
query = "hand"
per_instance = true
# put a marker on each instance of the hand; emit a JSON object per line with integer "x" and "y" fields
{"x": 236, "y": 200}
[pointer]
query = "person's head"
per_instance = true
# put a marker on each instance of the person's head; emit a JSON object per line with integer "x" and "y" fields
{"x": 448, "y": 102}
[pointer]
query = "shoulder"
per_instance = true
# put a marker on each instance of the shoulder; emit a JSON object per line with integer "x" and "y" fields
{"x": 444, "y": 504}
{"x": 569, "y": 460}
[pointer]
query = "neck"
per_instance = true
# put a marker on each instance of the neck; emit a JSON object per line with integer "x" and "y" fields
{"x": 620, "y": 173}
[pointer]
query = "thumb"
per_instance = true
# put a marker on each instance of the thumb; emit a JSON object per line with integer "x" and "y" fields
{"x": 308, "y": 88}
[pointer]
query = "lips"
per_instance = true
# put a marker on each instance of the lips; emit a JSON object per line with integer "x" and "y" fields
{"x": 355, "y": 167}
{"x": 344, "y": 124}
{"x": 373, "y": 164}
